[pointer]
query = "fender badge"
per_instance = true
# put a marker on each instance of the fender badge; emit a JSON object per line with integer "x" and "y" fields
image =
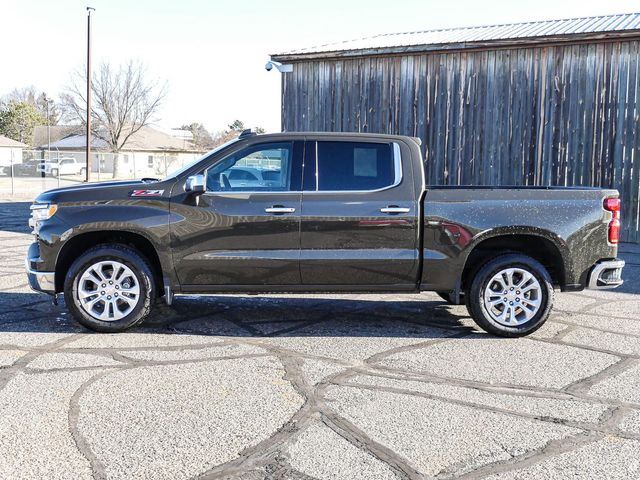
{"x": 146, "y": 193}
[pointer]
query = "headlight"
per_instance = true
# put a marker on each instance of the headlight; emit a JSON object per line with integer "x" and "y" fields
{"x": 43, "y": 211}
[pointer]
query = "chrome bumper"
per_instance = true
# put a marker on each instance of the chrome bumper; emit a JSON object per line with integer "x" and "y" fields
{"x": 41, "y": 281}
{"x": 606, "y": 274}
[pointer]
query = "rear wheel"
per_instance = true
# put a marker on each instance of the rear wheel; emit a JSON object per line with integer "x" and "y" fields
{"x": 510, "y": 296}
{"x": 109, "y": 288}
{"x": 54, "y": 172}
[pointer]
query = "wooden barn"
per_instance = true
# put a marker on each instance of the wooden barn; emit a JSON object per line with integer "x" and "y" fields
{"x": 537, "y": 103}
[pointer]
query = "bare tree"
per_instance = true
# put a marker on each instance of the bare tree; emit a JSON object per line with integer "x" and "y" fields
{"x": 39, "y": 101}
{"x": 124, "y": 101}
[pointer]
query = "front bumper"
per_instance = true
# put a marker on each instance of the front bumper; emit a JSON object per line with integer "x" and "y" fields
{"x": 606, "y": 274}
{"x": 39, "y": 281}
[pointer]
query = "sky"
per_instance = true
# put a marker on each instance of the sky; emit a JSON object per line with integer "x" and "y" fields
{"x": 212, "y": 54}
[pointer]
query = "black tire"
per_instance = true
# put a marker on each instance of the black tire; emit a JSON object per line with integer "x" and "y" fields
{"x": 475, "y": 295}
{"x": 83, "y": 172}
{"x": 126, "y": 256}
{"x": 54, "y": 172}
{"x": 449, "y": 298}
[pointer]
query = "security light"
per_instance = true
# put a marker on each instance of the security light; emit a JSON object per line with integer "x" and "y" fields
{"x": 281, "y": 68}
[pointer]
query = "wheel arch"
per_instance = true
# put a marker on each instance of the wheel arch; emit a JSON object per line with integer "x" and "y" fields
{"x": 539, "y": 244}
{"x": 77, "y": 245}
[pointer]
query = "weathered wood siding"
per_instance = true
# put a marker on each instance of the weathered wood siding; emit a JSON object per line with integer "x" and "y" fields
{"x": 551, "y": 115}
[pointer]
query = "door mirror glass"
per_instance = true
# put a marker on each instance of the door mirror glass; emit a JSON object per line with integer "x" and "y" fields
{"x": 195, "y": 184}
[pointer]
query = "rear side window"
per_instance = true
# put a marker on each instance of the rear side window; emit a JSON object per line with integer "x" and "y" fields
{"x": 344, "y": 166}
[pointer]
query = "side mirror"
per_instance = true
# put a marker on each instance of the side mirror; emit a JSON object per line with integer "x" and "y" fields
{"x": 195, "y": 184}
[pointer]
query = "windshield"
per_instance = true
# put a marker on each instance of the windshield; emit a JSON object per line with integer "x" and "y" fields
{"x": 199, "y": 159}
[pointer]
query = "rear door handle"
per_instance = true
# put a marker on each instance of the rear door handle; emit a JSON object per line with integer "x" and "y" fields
{"x": 395, "y": 209}
{"x": 279, "y": 210}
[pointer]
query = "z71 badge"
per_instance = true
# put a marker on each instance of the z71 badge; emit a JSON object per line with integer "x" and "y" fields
{"x": 147, "y": 193}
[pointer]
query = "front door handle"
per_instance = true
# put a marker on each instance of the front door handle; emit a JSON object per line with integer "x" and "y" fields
{"x": 277, "y": 209}
{"x": 395, "y": 209}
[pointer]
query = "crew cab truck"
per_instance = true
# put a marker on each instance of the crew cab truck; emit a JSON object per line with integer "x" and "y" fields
{"x": 62, "y": 166}
{"x": 340, "y": 213}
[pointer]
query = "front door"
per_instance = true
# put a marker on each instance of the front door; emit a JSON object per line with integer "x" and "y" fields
{"x": 245, "y": 229}
{"x": 359, "y": 216}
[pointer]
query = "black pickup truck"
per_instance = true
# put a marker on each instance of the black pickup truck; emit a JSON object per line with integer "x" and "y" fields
{"x": 320, "y": 212}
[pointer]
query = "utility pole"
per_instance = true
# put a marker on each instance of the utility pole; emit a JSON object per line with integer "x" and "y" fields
{"x": 47, "y": 100}
{"x": 88, "y": 166}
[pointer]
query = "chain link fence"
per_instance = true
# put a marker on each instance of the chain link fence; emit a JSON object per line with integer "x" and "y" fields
{"x": 26, "y": 173}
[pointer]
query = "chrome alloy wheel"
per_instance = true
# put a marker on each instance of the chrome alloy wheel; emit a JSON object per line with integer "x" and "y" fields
{"x": 512, "y": 297}
{"x": 108, "y": 290}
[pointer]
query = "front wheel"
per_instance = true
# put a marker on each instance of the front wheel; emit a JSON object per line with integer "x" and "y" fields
{"x": 109, "y": 288}
{"x": 510, "y": 296}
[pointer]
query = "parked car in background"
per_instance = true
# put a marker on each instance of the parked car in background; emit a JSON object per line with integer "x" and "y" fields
{"x": 28, "y": 168}
{"x": 342, "y": 213}
{"x": 62, "y": 166}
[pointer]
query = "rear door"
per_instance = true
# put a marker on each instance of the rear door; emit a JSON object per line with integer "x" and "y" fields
{"x": 67, "y": 166}
{"x": 359, "y": 221}
{"x": 243, "y": 231}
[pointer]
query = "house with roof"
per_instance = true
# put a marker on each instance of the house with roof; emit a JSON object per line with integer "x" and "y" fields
{"x": 149, "y": 151}
{"x": 535, "y": 103}
{"x": 10, "y": 154}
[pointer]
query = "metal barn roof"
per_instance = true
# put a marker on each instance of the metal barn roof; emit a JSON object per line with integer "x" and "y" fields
{"x": 472, "y": 37}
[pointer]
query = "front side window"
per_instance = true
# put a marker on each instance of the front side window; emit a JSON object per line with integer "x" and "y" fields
{"x": 349, "y": 166}
{"x": 265, "y": 167}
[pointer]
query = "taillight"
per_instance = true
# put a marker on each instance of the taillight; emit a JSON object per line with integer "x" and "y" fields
{"x": 613, "y": 205}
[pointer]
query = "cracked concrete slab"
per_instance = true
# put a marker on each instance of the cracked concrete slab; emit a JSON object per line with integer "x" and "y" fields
{"x": 610, "y": 458}
{"x": 340, "y": 459}
{"x": 520, "y": 401}
{"x": 601, "y": 322}
{"x": 8, "y": 357}
{"x": 29, "y": 339}
{"x": 505, "y": 361}
{"x": 631, "y": 422}
{"x": 549, "y": 330}
{"x": 616, "y": 343}
{"x": 624, "y": 386}
{"x": 35, "y": 441}
{"x": 198, "y": 353}
{"x": 353, "y": 340}
{"x": 56, "y": 360}
{"x": 467, "y": 437}
{"x": 178, "y": 421}
{"x": 142, "y": 340}
{"x": 566, "y": 302}
{"x": 624, "y": 307}
{"x": 317, "y": 370}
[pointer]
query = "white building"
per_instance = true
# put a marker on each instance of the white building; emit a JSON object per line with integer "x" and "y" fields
{"x": 149, "y": 152}
{"x": 10, "y": 152}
